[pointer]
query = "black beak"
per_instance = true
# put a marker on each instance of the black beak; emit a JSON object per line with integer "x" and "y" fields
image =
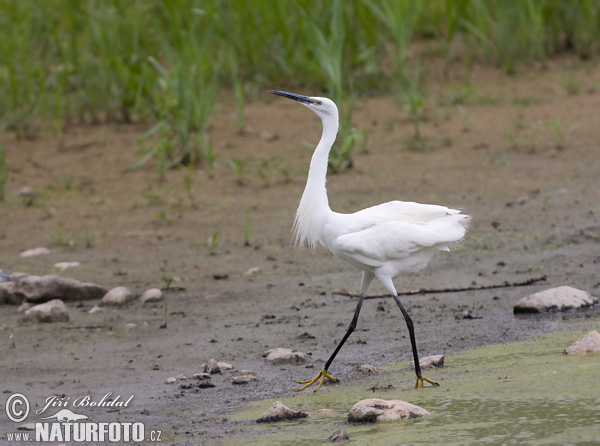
{"x": 295, "y": 97}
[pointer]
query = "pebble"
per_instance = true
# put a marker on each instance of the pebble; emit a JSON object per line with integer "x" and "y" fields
{"x": 116, "y": 297}
{"x": 339, "y": 436}
{"x": 367, "y": 368}
{"x": 35, "y": 252}
{"x": 428, "y": 362}
{"x": 373, "y": 410}
{"x": 242, "y": 379}
{"x": 95, "y": 309}
{"x": 52, "y": 311}
{"x": 278, "y": 356}
{"x": 152, "y": 295}
{"x": 555, "y": 299}
{"x": 279, "y": 412}
{"x": 589, "y": 343}
{"x": 66, "y": 265}
{"x": 40, "y": 289}
{"x": 212, "y": 367}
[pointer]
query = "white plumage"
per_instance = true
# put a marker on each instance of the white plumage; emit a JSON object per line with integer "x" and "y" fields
{"x": 382, "y": 241}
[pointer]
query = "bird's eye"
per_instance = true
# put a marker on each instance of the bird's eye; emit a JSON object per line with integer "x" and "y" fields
{"x": 318, "y": 102}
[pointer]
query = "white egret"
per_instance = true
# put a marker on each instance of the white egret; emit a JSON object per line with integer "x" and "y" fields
{"x": 382, "y": 241}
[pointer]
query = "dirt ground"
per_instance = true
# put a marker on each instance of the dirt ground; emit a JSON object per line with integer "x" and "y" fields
{"x": 520, "y": 154}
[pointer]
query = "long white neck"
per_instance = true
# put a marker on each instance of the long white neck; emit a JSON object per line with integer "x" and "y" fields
{"x": 314, "y": 205}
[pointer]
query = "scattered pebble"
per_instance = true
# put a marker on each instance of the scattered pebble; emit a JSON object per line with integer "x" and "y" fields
{"x": 373, "y": 410}
{"x": 224, "y": 365}
{"x": 428, "y": 362}
{"x": 252, "y": 271}
{"x": 242, "y": 379}
{"x": 212, "y": 367}
{"x": 26, "y": 427}
{"x": 367, "y": 368}
{"x": 277, "y": 356}
{"x": 35, "y": 252}
{"x": 339, "y": 436}
{"x": 201, "y": 376}
{"x": 555, "y": 299}
{"x": 66, "y": 265}
{"x": 152, "y": 295}
{"x": 589, "y": 343}
{"x": 52, "y": 311}
{"x": 279, "y": 412}
{"x": 174, "y": 379}
{"x": 116, "y": 297}
{"x": 40, "y": 289}
{"x": 95, "y": 309}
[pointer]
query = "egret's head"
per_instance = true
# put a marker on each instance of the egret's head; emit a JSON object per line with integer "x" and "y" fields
{"x": 324, "y": 108}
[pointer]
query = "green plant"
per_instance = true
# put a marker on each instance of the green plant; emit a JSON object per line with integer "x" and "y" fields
{"x": 238, "y": 168}
{"x": 247, "y": 231}
{"x": 559, "y": 132}
{"x": 211, "y": 243}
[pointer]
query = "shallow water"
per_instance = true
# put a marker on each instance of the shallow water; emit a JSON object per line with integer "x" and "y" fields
{"x": 526, "y": 392}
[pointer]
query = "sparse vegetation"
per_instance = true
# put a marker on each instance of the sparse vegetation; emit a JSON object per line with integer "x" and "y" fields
{"x": 163, "y": 62}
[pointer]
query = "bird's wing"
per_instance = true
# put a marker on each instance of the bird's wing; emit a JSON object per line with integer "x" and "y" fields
{"x": 394, "y": 240}
{"x": 404, "y": 211}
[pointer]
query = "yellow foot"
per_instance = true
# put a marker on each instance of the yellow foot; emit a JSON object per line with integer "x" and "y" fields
{"x": 320, "y": 377}
{"x": 420, "y": 382}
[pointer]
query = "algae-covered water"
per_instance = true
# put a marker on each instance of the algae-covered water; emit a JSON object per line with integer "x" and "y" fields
{"x": 526, "y": 392}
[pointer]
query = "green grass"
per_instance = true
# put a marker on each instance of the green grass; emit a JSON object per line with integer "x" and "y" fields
{"x": 64, "y": 62}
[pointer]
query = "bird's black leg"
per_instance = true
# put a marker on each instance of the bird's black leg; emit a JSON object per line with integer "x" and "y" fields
{"x": 323, "y": 373}
{"x": 413, "y": 343}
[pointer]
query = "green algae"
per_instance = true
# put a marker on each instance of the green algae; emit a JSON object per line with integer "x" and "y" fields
{"x": 525, "y": 392}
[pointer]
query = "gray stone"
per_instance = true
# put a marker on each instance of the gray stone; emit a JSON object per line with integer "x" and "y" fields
{"x": 242, "y": 379}
{"x": 377, "y": 410}
{"x": 368, "y": 368}
{"x": 152, "y": 295}
{"x": 35, "y": 252}
{"x": 212, "y": 367}
{"x": 428, "y": 362}
{"x": 116, "y": 297}
{"x": 339, "y": 436}
{"x": 40, "y": 289}
{"x": 52, "y": 311}
{"x": 66, "y": 265}
{"x": 555, "y": 299}
{"x": 589, "y": 343}
{"x": 277, "y": 356}
{"x": 279, "y": 412}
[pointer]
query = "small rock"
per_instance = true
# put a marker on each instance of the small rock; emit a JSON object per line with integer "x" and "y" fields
{"x": 466, "y": 314}
{"x": 589, "y": 343}
{"x": 224, "y": 365}
{"x": 367, "y": 368}
{"x": 26, "y": 427}
{"x": 35, "y": 252}
{"x": 555, "y": 299}
{"x": 428, "y": 362}
{"x": 277, "y": 356}
{"x": 374, "y": 410}
{"x": 152, "y": 295}
{"x": 131, "y": 324}
{"x": 116, "y": 297}
{"x": 242, "y": 379}
{"x": 339, "y": 436}
{"x": 246, "y": 372}
{"x": 251, "y": 271}
{"x": 40, "y": 289}
{"x": 201, "y": 376}
{"x": 212, "y": 367}
{"x": 279, "y": 412}
{"x": 174, "y": 379}
{"x": 24, "y": 307}
{"x": 52, "y": 311}
{"x": 95, "y": 309}
{"x": 65, "y": 265}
